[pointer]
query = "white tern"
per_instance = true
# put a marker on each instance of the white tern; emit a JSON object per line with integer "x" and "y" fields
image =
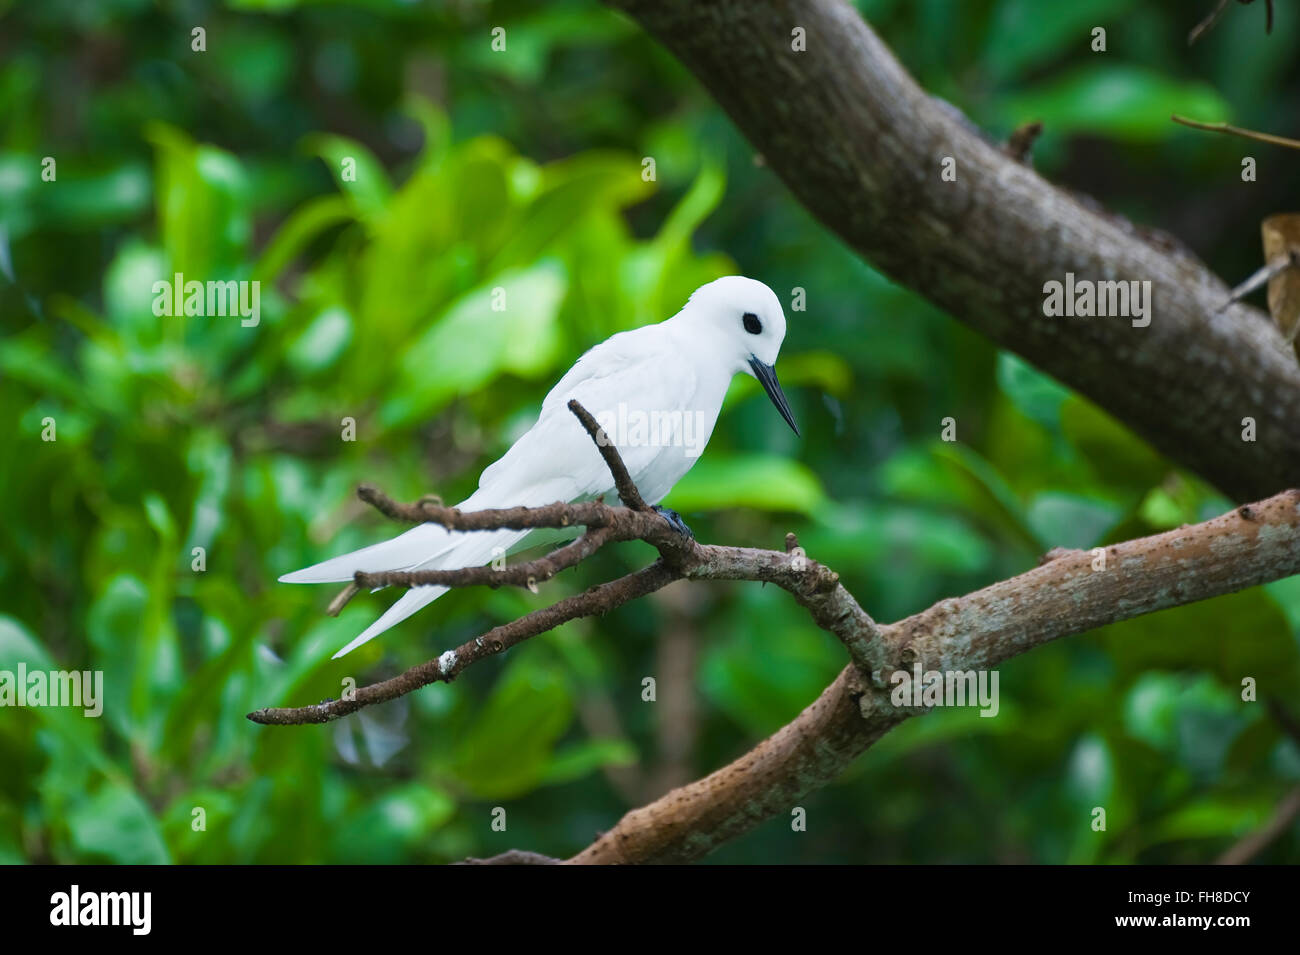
{"x": 656, "y": 390}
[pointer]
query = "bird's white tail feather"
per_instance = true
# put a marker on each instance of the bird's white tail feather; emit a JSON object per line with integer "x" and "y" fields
{"x": 407, "y": 604}
{"x": 401, "y": 553}
{"x": 426, "y": 547}
{"x": 471, "y": 549}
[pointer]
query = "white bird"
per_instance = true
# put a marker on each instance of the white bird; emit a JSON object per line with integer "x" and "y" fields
{"x": 656, "y": 390}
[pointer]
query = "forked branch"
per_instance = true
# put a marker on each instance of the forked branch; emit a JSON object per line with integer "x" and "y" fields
{"x": 680, "y": 556}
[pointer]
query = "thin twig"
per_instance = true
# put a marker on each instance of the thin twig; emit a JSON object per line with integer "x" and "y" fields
{"x": 1284, "y": 718}
{"x": 598, "y": 600}
{"x": 813, "y": 585}
{"x": 412, "y": 513}
{"x": 1288, "y": 810}
{"x": 514, "y": 857}
{"x": 1022, "y": 140}
{"x": 1253, "y": 843}
{"x": 525, "y": 574}
{"x": 341, "y": 600}
{"x": 1237, "y": 131}
{"x": 627, "y": 489}
{"x": 1262, "y": 276}
{"x": 1208, "y": 23}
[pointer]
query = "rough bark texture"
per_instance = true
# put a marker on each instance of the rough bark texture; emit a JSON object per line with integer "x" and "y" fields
{"x": 1071, "y": 593}
{"x": 861, "y": 146}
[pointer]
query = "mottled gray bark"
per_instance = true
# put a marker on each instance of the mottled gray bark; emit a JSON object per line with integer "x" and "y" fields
{"x": 861, "y": 146}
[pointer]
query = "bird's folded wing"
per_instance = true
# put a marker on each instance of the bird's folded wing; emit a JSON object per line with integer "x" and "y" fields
{"x": 629, "y": 370}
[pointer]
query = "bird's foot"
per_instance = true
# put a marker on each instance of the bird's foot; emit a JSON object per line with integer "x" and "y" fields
{"x": 675, "y": 519}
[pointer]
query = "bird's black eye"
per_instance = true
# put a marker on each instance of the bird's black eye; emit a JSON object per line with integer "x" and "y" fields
{"x": 752, "y": 324}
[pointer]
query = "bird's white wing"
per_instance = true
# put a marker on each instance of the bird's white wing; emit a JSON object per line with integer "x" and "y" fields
{"x": 631, "y": 369}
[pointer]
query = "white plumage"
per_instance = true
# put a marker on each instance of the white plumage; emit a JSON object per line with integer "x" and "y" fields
{"x": 674, "y": 372}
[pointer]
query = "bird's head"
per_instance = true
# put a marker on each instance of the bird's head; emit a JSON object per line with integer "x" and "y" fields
{"x": 743, "y": 319}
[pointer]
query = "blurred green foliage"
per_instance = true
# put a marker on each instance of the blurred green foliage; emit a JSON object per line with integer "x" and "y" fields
{"x": 523, "y": 170}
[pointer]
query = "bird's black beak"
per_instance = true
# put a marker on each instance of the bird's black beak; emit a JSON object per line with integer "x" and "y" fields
{"x": 766, "y": 374}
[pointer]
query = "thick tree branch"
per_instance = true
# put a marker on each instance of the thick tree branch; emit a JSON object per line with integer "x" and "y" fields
{"x": 1065, "y": 595}
{"x": 862, "y": 146}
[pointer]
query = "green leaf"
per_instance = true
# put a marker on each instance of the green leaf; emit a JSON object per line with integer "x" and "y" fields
{"x": 1027, "y": 33}
{"x": 202, "y": 196}
{"x": 114, "y": 825}
{"x": 1235, "y": 637}
{"x": 321, "y": 343}
{"x": 761, "y": 676}
{"x": 1116, "y": 101}
{"x": 508, "y": 748}
{"x": 581, "y": 759}
{"x": 356, "y": 171}
{"x": 474, "y": 342}
{"x": 1037, "y": 395}
{"x": 1119, "y": 458}
{"x": 393, "y": 826}
{"x": 567, "y": 193}
{"x": 984, "y": 490}
{"x": 1071, "y": 520}
{"x": 1209, "y": 818}
{"x": 760, "y": 481}
{"x": 307, "y": 221}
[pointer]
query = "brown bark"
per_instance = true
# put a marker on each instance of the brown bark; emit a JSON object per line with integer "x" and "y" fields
{"x": 1063, "y": 596}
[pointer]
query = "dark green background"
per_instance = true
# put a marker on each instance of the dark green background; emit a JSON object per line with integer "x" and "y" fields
{"x": 522, "y": 169}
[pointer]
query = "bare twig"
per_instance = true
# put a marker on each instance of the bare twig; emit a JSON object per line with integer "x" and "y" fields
{"x": 1213, "y": 17}
{"x": 1262, "y": 276}
{"x": 341, "y": 600}
{"x": 1284, "y": 718}
{"x": 627, "y": 490}
{"x": 597, "y": 600}
{"x": 559, "y": 514}
{"x": 1288, "y": 810}
{"x": 526, "y": 574}
{"x": 1237, "y": 131}
{"x": 813, "y": 585}
{"x": 514, "y": 857}
{"x": 1208, "y": 23}
{"x": 1022, "y": 139}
